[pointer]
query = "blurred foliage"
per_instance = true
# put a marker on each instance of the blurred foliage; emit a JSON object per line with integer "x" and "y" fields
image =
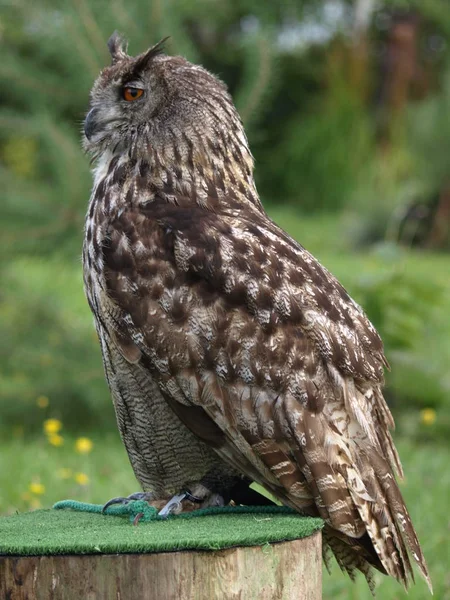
{"x": 346, "y": 124}
{"x": 51, "y": 348}
{"x": 410, "y": 312}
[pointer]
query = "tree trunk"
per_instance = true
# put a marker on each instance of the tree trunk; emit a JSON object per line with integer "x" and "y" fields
{"x": 282, "y": 571}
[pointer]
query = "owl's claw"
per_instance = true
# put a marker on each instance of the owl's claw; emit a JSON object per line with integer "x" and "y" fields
{"x": 127, "y": 499}
{"x": 175, "y": 504}
{"x": 172, "y": 506}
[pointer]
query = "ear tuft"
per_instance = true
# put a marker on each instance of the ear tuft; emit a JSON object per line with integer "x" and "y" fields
{"x": 146, "y": 58}
{"x": 117, "y": 47}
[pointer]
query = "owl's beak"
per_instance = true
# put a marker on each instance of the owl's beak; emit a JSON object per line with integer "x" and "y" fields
{"x": 91, "y": 123}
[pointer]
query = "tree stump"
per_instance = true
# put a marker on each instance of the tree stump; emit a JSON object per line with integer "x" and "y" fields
{"x": 281, "y": 571}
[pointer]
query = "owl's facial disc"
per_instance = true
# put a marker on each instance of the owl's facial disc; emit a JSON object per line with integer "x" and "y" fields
{"x": 118, "y": 105}
{"x": 123, "y": 99}
{"x": 102, "y": 118}
{"x": 159, "y": 105}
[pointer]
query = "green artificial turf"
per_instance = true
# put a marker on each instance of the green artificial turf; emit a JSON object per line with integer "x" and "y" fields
{"x": 82, "y": 529}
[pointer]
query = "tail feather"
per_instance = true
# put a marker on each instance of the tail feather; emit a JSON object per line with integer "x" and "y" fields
{"x": 382, "y": 529}
{"x": 400, "y": 516}
{"x": 365, "y": 461}
{"x": 372, "y": 469}
{"x": 349, "y": 557}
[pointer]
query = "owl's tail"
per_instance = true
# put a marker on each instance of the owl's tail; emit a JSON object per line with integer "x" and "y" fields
{"x": 386, "y": 519}
{"x": 355, "y": 491}
{"x": 339, "y": 464}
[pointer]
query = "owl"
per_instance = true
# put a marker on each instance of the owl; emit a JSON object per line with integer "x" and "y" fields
{"x": 232, "y": 355}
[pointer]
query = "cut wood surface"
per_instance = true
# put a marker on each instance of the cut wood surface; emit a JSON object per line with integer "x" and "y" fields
{"x": 282, "y": 571}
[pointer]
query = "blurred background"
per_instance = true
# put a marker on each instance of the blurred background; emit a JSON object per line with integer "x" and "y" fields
{"x": 346, "y": 105}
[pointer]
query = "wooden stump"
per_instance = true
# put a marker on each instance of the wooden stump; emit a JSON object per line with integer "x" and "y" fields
{"x": 282, "y": 571}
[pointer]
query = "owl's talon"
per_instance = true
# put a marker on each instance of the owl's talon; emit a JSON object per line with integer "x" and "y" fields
{"x": 173, "y": 504}
{"x": 124, "y": 500}
{"x": 137, "y": 518}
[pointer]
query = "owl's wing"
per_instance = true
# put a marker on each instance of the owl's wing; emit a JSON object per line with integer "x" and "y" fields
{"x": 243, "y": 328}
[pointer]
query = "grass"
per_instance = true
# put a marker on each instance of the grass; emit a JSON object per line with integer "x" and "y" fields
{"x": 426, "y": 490}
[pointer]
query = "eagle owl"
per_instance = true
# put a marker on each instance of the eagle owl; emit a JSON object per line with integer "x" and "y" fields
{"x": 231, "y": 354}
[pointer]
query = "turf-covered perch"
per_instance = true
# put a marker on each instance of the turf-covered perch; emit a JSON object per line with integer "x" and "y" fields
{"x": 235, "y": 552}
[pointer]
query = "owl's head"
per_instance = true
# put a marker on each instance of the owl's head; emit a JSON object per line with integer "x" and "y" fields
{"x": 154, "y": 101}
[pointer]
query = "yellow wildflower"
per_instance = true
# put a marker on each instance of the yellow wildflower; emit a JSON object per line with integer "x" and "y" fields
{"x": 42, "y": 401}
{"x": 52, "y": 426}
{"x": 64, "y": 473}
{"x": 81, "y": 478}
{"x": 55, "y": 439}
{"x": 428, "y": 416}
{"x": 83, "y": 445}
{"x": 37, "y": 488}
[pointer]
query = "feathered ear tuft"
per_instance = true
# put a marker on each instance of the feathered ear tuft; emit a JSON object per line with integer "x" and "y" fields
{"x": 144, "y": 60}
{"x": 117, "y": 47}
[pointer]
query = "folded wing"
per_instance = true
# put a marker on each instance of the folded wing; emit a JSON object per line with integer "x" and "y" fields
{"x": 236, "y": 320}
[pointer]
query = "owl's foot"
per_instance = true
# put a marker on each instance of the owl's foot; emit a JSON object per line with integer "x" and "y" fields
{"x": 187, "y": 502}
{"x": 147, "y": 496}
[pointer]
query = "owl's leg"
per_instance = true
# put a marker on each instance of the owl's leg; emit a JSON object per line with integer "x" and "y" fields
{"x": 212, "y": 490}
{"x": 202, "y": 496}
{"x": 188, "y": 501}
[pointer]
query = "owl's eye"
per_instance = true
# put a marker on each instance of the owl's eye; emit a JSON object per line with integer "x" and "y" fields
{"x": 131, "y": 93}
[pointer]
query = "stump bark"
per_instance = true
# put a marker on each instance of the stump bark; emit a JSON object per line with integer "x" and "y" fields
{"x": 281, "y": 571}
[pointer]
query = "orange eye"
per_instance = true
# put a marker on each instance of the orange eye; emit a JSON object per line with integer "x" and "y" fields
{"x": 131, "y": 93}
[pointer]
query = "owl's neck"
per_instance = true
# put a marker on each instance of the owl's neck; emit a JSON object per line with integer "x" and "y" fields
{"x": 210, "y": 175}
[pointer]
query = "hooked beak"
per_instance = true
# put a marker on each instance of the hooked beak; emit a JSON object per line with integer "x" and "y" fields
{"x": 91, "y": 125}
